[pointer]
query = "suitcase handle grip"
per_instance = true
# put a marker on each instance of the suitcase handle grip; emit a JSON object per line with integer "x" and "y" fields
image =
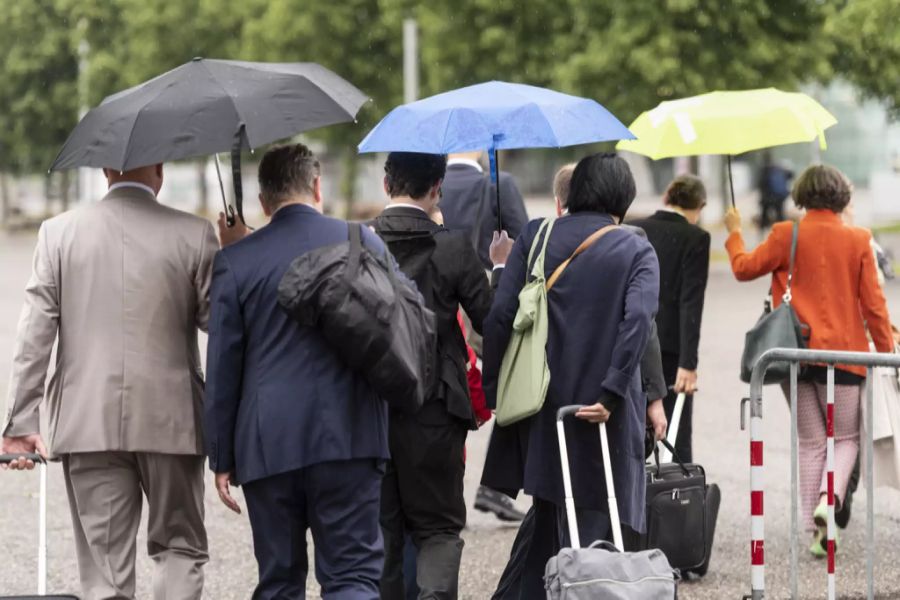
{"x": 5, "y": 459}
{"x": 569, "y": 410}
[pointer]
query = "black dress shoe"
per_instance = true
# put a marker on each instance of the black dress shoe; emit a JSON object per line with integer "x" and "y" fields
{"x": 488, "y": 500}
{"x": 842, "y": 515}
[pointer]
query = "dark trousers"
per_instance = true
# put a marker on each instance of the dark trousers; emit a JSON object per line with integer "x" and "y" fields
{"x": 339, "y": 501}
{"x": 683, "y": 442}
{"x": 542, "y": 534}
{"x": 422, "y": 496}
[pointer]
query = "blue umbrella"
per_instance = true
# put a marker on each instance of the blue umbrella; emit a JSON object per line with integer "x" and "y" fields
{"x": 494, "y": 116}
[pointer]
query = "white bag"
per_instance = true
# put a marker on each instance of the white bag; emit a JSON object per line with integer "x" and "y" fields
{"x": 885, "y": 426}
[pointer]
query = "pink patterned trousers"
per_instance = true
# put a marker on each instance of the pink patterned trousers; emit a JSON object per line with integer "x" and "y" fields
{"x": 811, "y": 400}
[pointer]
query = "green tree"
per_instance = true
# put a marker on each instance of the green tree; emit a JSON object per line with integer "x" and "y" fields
{"x": 38, "y": 96}
{"x": 867, "y": 37}
{"x": 349, "y": 37}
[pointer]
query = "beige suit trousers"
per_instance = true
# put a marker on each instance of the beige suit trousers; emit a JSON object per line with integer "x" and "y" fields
{"x": 105, "y": 497}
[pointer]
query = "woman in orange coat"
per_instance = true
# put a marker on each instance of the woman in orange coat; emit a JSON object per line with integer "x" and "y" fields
{"x": 836, "y": 293}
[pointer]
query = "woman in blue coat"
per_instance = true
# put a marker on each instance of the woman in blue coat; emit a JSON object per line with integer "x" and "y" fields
{"x": 600, "y": 313}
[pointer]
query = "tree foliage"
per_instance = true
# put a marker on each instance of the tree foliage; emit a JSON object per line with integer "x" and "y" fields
{"x": 867, "y": 38}
{"x": 628, "y": 55}
{"x": 38, "y": 95}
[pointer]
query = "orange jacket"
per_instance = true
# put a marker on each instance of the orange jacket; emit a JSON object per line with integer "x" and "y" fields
{"x": 835, "y": 288}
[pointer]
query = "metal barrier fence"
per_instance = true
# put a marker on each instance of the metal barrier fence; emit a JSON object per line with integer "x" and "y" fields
{"x": 757, "y": 489}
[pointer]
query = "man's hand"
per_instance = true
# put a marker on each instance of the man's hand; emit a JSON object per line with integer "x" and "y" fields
{"x": 223, "y": 486}
{"x": 685, "y": 381}
{"x": 501, "y": 246}
{"x": 595, "y": 413}
{"x": 656, "y": 418}
{"x": 733, "y": 220}
{"x": 229, "y": 235}
{"x": 26, "y": 444}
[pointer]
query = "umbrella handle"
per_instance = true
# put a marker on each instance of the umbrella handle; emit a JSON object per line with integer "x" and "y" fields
{"x": 731, "y": 183}
{"x": 495, "y": 179}
{"x": 229, "y": 210}
{"x": 236, "y": 176}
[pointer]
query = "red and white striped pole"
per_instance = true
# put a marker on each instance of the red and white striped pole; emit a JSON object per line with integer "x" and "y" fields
{"x": 829, "y": 466}
{"x": 757, "y": 521}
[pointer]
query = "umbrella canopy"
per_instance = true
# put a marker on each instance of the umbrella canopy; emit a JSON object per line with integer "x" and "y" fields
{"x": 493, "y": 116}
{"x": 200, "y": 107}
{"x": 728, "y": 123}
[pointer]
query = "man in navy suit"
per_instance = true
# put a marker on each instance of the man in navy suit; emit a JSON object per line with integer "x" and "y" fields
{"x": 284, "y": 417}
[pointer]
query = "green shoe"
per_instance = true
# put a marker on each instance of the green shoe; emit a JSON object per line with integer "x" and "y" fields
{"x": 820, "y": 516}
{"x": 819, "y": 547}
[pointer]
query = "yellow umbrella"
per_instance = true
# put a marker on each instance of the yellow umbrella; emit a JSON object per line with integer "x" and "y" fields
{"x": 728, "y": 123}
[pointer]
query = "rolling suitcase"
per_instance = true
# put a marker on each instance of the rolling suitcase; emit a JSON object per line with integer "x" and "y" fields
{"x": 42, "y": 533}
{"x": 682, "y": 509}
{"x": 603, "y": 570}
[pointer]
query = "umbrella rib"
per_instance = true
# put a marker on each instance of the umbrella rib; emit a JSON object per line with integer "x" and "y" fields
{"x": 233, "y": 103}
{"x": 126, "y": 149}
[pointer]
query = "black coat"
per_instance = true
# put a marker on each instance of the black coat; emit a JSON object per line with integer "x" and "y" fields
{"x": 683, "y": 252}
{"x": 449, "y": 275}
{"x": 600, "y": 316}
{"x": 469, "y": 200}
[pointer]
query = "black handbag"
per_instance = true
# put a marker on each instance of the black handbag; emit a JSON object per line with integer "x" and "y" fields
{"x": 681, "y": 513}
{"x": 778, "y": 328}
{"x": 376, "y": 323}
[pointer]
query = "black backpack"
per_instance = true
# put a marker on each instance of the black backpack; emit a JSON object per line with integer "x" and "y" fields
{"x": 376, "y": 323}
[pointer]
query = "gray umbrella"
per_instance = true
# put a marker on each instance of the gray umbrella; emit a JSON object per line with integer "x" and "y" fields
{"x": 208, "y": 106}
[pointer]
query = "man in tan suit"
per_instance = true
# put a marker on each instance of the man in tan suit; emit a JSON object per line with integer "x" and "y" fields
{"x": 122, "y": 285}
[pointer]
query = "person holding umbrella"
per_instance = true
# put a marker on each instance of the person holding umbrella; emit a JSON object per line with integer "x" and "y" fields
{"x": 422, "y": 492}
{"x": 284, "y": 416}
{"x": 122, "y": 284}
{"x": 835, "y": 292}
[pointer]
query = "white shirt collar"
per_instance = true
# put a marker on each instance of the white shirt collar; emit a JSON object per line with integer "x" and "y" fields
{"x": 132, "y": 184}
{"x": 405, "y": 205}
{"x": 465, "y": 161}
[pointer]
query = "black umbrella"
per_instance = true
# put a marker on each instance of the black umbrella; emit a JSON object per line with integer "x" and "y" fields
{"x": 208, "y": 106}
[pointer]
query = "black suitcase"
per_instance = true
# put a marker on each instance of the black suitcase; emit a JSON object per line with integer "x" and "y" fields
{"x": 42, "y": 534}
{"x": 681, "y": 514}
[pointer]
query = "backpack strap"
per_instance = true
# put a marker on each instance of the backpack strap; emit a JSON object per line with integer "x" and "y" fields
{"x": 581, "y": 248}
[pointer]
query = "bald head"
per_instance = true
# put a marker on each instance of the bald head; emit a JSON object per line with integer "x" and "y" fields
{"x": 476, "y": 156}
{"x": 151, "y": 176}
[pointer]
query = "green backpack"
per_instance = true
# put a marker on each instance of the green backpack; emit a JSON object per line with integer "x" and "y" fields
{"x": 524, "y": 373}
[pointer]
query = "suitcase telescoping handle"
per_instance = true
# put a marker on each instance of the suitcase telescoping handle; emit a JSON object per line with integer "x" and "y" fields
{"x": 664, "y": 454}
{"x": 561, "y": 415}
{"x": 42, "y": 515}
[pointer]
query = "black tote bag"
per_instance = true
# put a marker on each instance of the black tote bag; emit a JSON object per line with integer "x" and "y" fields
{"x": 778, "y": 328}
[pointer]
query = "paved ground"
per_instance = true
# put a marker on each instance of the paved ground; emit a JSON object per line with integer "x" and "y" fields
{"x": 720, "y": 446}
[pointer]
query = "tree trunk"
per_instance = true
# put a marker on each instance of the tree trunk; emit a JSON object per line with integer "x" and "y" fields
{"x": 202, "y": 189}
{"x": 348, "y": 180}
{"x": 4, "y": 200}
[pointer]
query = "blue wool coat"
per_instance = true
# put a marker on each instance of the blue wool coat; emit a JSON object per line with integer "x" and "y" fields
{"x": 600, "y": 313}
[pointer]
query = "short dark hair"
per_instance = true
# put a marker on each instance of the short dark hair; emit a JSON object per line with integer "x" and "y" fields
{"x": 687, "y": 192}
{"x": 286, "y": 171}
{"x": 602, "y": 183}
{"x": 562, "y": 183}
{"x": 413, "y": 173}
{"x": 822, "y": 186}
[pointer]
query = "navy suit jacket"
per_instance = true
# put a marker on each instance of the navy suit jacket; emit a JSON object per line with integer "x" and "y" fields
{"x": 277, "y": 396}
{"x": 467, "y": 193}
{"x": 600, "y": 312}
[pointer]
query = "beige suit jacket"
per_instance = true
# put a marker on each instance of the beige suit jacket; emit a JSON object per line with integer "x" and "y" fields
{"x": 122, "y": 285}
